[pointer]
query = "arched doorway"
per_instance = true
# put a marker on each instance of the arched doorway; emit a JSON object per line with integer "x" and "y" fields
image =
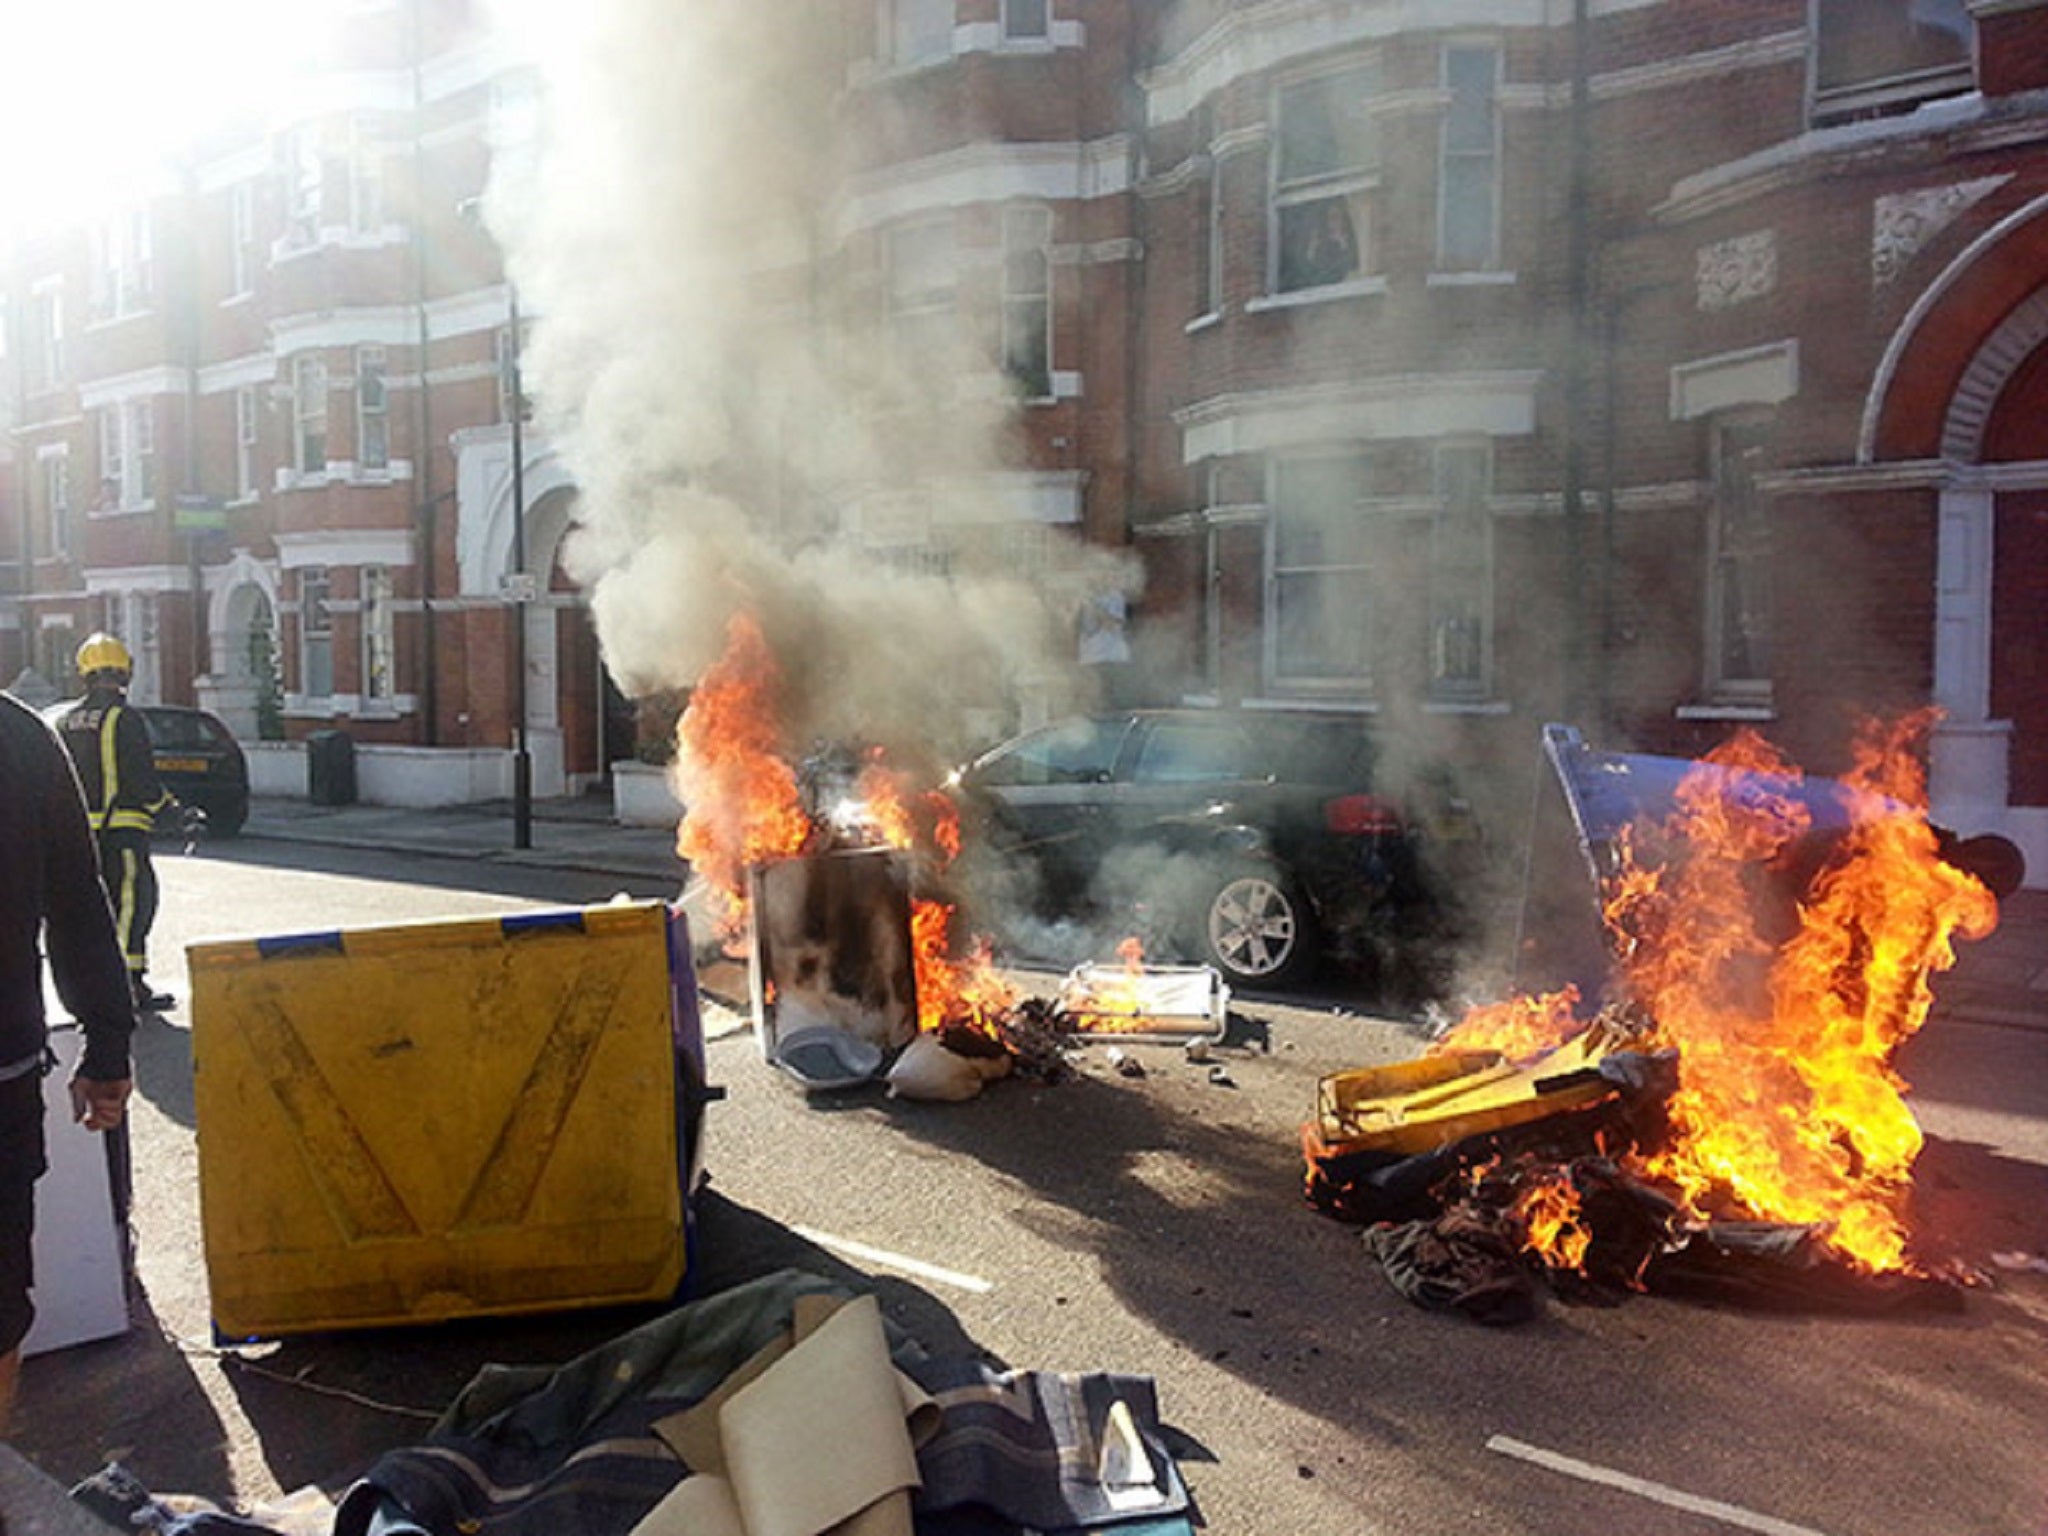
{"x": 244, "y": 683}
{"x": 1965, "y": 384}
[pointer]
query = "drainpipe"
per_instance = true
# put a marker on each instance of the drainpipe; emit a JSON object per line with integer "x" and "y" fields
{"x": 426, "y": 520}
{"x": 1578, "y": 254}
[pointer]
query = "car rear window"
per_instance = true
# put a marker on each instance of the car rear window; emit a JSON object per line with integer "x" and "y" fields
{"x": 1081, "y": 751}
{"x": 182, "y": 732}
{"x": 1199, "y": 752}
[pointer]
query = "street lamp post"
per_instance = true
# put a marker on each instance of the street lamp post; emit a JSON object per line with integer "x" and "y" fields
{"x": 522, "y": 762}
{"x": 518, "y": 585}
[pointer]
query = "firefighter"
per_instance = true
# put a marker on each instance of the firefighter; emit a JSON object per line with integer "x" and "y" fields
{"x": 110, "y": 745}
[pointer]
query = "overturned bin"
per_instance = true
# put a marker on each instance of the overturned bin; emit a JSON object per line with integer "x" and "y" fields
{"x": 422, "y": 1121}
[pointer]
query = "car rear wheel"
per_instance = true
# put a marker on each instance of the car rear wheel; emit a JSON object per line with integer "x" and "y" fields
{"x": 1255, "y": 929}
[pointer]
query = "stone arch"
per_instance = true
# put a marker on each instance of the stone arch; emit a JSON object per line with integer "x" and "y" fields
{"x": 1939, "y": 361}
{"x": 244, "y": 592}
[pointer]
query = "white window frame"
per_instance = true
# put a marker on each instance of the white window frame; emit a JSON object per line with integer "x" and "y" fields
{"x": 309, "y": 415}
{"x": 122, "y": 269}
{"x": 1354, "y": 188}
{"x": 241, "y": 237}
{"x": 923, "y": 294}
{"x": 1027, "y": 302}
{"x": 379, "y": 640}
{"x": 366, "y": 153}
{"x": 302, "y": 171}
{"x": 1279, "y": 575}
{"x": 373, "y": 411}
{"x": 1480, "y": 161}
{"x": 316, "y": 631}
{"x": 127, "y": 437}
{"x": 138, "y": 420}
{"x": 1723, "y": 684}
{"x": 247, "y": 435}
{"x": 113, "y": 458}
{"x": 55, "y": 477}
{"x": 1884, "y": 91}
{"x": 1461, "y": 467}
{"x": 1018, "y": 29}
{"x": 909, "y": 33}
{"x": 48, "y": 347}
{"x": 143, "y": 624}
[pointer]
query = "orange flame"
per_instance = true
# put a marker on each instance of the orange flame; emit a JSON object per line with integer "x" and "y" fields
{"x": 1113, "y": 1002}
{"x": 1519, "y": 1028}
{"x": 1547, "y": 1210}
{"x": 1788, "y": 1108}
{"x": 739, "y": 793}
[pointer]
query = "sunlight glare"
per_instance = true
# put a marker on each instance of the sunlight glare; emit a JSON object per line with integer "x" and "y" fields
{"x": 104, "y": 94}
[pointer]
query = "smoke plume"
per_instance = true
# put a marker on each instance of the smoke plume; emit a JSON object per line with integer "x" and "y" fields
{"x": 740, "y": 422}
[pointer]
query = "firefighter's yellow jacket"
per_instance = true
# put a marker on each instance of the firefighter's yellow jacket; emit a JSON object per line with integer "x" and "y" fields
{"x": 116, "y": 768}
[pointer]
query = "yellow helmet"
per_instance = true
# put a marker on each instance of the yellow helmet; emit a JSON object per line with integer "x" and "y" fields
{"x": 103, "y": 653}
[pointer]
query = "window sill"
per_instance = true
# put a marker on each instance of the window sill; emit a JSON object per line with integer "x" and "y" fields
{"x": 1760, "y": 710}
{"x": 1204, "y": 322}
{"x": 237, "y": 300}
{"x": 1486, "y": 279}
{"x": 1488, "y": 707}
{"x": 136, "y": 511}
{"x": 1299, "y": 298}
{"x": 115, "y": 321}
{"x": 1351, "y": 701}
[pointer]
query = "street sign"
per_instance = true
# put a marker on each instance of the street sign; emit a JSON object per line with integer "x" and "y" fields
{"x": 198, "y": 514}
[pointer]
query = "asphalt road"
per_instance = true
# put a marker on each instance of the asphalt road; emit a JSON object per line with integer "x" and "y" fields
{"x": 1149, "y": 1225}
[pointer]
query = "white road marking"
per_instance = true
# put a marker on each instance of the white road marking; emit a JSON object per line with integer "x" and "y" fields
{"x": 908, "y": 1266}
{"x": 1713, "y": 1509}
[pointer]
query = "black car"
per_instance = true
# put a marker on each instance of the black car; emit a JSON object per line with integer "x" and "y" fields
{"x": 1252, "y": 840}
{"x": 199, "y": 761}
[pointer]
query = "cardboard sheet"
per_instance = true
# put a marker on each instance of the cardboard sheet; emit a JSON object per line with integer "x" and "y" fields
{"x": 755, "y": 1449}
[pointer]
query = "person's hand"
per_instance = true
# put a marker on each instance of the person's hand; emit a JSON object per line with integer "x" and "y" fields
{"x": 97, "y": 1104}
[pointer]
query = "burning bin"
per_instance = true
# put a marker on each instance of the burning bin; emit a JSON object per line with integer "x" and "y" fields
{"x": 409, "y": 1123}
{"x": 832, "y": 973}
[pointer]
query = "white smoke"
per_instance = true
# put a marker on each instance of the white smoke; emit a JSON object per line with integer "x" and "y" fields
{"x": 722, "y": 401}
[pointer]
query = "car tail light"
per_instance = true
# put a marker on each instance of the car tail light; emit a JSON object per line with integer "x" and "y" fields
{"x": 1360, "y": 815}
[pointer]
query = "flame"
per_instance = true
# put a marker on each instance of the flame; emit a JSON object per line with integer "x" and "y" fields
{"x": 739, "y": 791}
{"x": 744, "y": 808}
{"x": 1788, "y": 1108}
{"x": 1117, "y": 1000}
{"x": 1520, "y": 1028}
{"x": 1548, "y": 1212}
{"x": 964, "y": 990}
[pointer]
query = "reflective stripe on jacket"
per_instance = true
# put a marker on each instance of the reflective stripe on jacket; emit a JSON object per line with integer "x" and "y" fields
{"x": 116, "y": 766}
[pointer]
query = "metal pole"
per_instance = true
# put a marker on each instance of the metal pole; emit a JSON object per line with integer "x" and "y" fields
{"x": 522, "y": 764}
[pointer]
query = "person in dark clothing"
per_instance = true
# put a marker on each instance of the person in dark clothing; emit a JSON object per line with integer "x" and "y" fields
{"x": 110, "y": 747}
{"x": 51, "y": 898}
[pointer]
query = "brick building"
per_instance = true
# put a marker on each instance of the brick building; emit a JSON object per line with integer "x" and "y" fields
{"x": 260, "y": 427}
{"x": 1656, "y": 365}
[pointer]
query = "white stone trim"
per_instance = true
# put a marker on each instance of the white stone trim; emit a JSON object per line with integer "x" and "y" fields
{"x": 135, "y": 578}
{"x": 1902, "y": 224}
{"x": 258, "y": 368}
{"x": 985, "y": 173}
{"x": 1932, "y": 294}
{"x": 345, "y": 547}
{"x": 1766, "y": 375}
{"x": 390, "y": 325}
{"x": 1962, "y": 605}
{"x": 1398, "y": 406}
{"x": 141, "y": 384}
{"x": 1969, "y": 409}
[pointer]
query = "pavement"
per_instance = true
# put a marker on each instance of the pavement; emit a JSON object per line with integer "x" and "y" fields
{"x": 570, "y": 834}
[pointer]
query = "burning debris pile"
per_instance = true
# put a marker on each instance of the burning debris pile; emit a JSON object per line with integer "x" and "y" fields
{"x": 823, "y": 868}
{"x": 1733, "y": 1115}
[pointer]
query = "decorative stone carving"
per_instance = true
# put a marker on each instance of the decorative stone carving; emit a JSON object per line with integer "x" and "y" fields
{"x": 1904, "y": 223}
{"x": 1732, "y": 271}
